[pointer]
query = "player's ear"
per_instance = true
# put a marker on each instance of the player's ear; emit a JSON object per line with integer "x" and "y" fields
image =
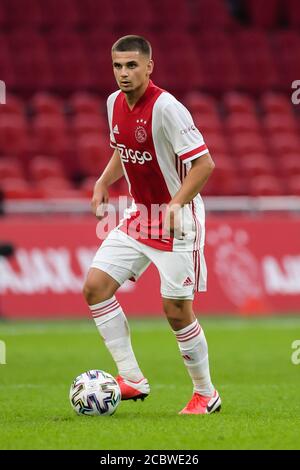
{"x": 150, "y": 66}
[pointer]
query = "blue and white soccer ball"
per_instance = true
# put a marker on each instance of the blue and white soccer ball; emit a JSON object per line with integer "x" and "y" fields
{"x": 95, "y": 393}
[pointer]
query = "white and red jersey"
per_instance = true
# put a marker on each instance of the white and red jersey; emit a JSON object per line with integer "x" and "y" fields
{"x": 157, "y": 140}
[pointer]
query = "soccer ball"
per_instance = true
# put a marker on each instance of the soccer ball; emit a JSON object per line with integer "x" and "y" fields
{"x": 95, "y": 393}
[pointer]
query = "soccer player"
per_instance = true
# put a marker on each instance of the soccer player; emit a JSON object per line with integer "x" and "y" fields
{"x": 165, "y": 162}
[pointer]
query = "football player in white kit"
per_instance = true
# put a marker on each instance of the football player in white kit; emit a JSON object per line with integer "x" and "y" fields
{"x": 165, "y": 161}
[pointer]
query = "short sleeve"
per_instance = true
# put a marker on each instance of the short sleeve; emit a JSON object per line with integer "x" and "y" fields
{"x": 109, "y": 104}
{"x": 181, "y": 132}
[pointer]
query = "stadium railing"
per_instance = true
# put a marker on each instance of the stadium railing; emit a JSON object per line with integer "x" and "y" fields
{"x": 212, "y": 204}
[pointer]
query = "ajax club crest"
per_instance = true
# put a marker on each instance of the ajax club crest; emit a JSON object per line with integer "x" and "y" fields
{"x": 140, "y": 132}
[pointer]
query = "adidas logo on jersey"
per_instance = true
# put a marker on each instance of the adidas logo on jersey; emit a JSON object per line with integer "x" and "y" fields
{"x": 116, "y": 129}
{"x": 188, "y": 282}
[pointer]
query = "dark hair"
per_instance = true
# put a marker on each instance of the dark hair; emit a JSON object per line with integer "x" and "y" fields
{"x": 133, "y": 43}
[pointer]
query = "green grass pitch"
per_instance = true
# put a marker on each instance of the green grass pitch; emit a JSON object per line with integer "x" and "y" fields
{"x": 250, "y": 364}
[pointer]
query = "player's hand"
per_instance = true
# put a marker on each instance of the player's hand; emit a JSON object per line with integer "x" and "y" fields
{"x": 172, "y": 222}
{"x": 99, "y": 200}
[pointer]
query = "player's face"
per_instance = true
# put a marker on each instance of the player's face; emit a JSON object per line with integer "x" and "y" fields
{"x": 132, "y": 69}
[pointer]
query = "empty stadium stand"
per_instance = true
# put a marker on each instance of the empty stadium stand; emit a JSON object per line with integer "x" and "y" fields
{"x": 231, "y": 62}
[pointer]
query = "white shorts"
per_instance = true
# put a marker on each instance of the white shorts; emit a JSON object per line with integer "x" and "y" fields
{"x": 181, "y": 273}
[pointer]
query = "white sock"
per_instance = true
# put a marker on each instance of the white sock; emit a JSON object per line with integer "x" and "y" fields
{"x": 193, "y": 347}
{"x": 114, "y": 329}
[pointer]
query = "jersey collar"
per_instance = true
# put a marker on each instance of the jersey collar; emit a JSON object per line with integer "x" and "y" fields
{"x": 148, "y": 92}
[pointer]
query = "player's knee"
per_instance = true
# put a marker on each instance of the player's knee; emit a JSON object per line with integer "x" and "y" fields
{"x": 179, "y": 313}
{"x": 173, "y": 309}
{"x": 94, "y": 293}
{"x": 88, "y": 292}
{"x": 99, "y": 287}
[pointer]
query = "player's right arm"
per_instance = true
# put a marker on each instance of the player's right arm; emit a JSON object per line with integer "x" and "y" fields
{"x": 112, "y": 173}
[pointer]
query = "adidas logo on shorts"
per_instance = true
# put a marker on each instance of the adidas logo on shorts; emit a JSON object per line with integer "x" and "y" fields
{"x": 188, "y": 282}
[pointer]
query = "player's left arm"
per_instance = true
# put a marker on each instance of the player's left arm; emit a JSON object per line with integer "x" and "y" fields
{"x": 202, "y": 167}
{"x": 193, "y": 183}
{"x": 189, "y": 146}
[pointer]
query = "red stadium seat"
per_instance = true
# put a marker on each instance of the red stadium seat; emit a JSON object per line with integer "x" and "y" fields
{"x": 287, "y": 44}
{"x": 6, "y": 61}
{"x": 276, "y": 103}
{"x": 289, "y": 165}
{"x": 235, "y": 102}
{"x": 217, "y": 143}
{"x": 13, "y": 106}
{"x": 218, "y": 60}
{"x": 201, "y": 103}
{"x": 189, "y": 65}
{"x": 10, "y": 167}
{"x": 69, "y": 61}
{"x": 50, "y": 135}
{"x": 252, "y": 165}
{"x": 87, "y": 124}
{"x": 263, "y": 14}
{"x": 17, "y": 188}
{"x": 207, "y": 123}
{"x": 292, "y": 9}
{"x": 86, "y": 103}
{"x": 72, "y": 71}
{"x": 14, "y": 138}
{"x": 226, "y": 180}
{"x": 283, "y": 144}
{"x": 101, "y": 73}
{"x": 99, "y": 40}
{"x": 130, "y": 9}
{"x": 256, "y": 61}
{"x": 66, "y": 41}
{"x": 177, "y": 41}
{"x": 32, "y": 63}
{"x": 41, "y": 168}
{"x": 58, "y": 188}
{"x": 20, "y": 13}
{"x": 3, "y": 16}
{"x": 61, "y": 14}
{"x": 276, "y": 123}
{"x": 212, "y": 14}
{"x": 236, "y": 123}
{"x": 286, "y": 40}
{"x": 98, "y": 14}
{"x": 33, "y": 69}
{"x": 228, "y": 187}
{"x": 266, "y": 186}
{"x": 53, "y": 184}
{"x": 248, "y": 143}
{"x": 45, "y": 103}
{"x": 177, "y": 14}
{"x": 93, "y": 154}
{"x": 225, "y": 165}
{"x": 293, "y": 185}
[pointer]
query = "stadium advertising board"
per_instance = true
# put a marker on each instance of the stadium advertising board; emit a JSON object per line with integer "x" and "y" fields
{"x": 253, "y": 268}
